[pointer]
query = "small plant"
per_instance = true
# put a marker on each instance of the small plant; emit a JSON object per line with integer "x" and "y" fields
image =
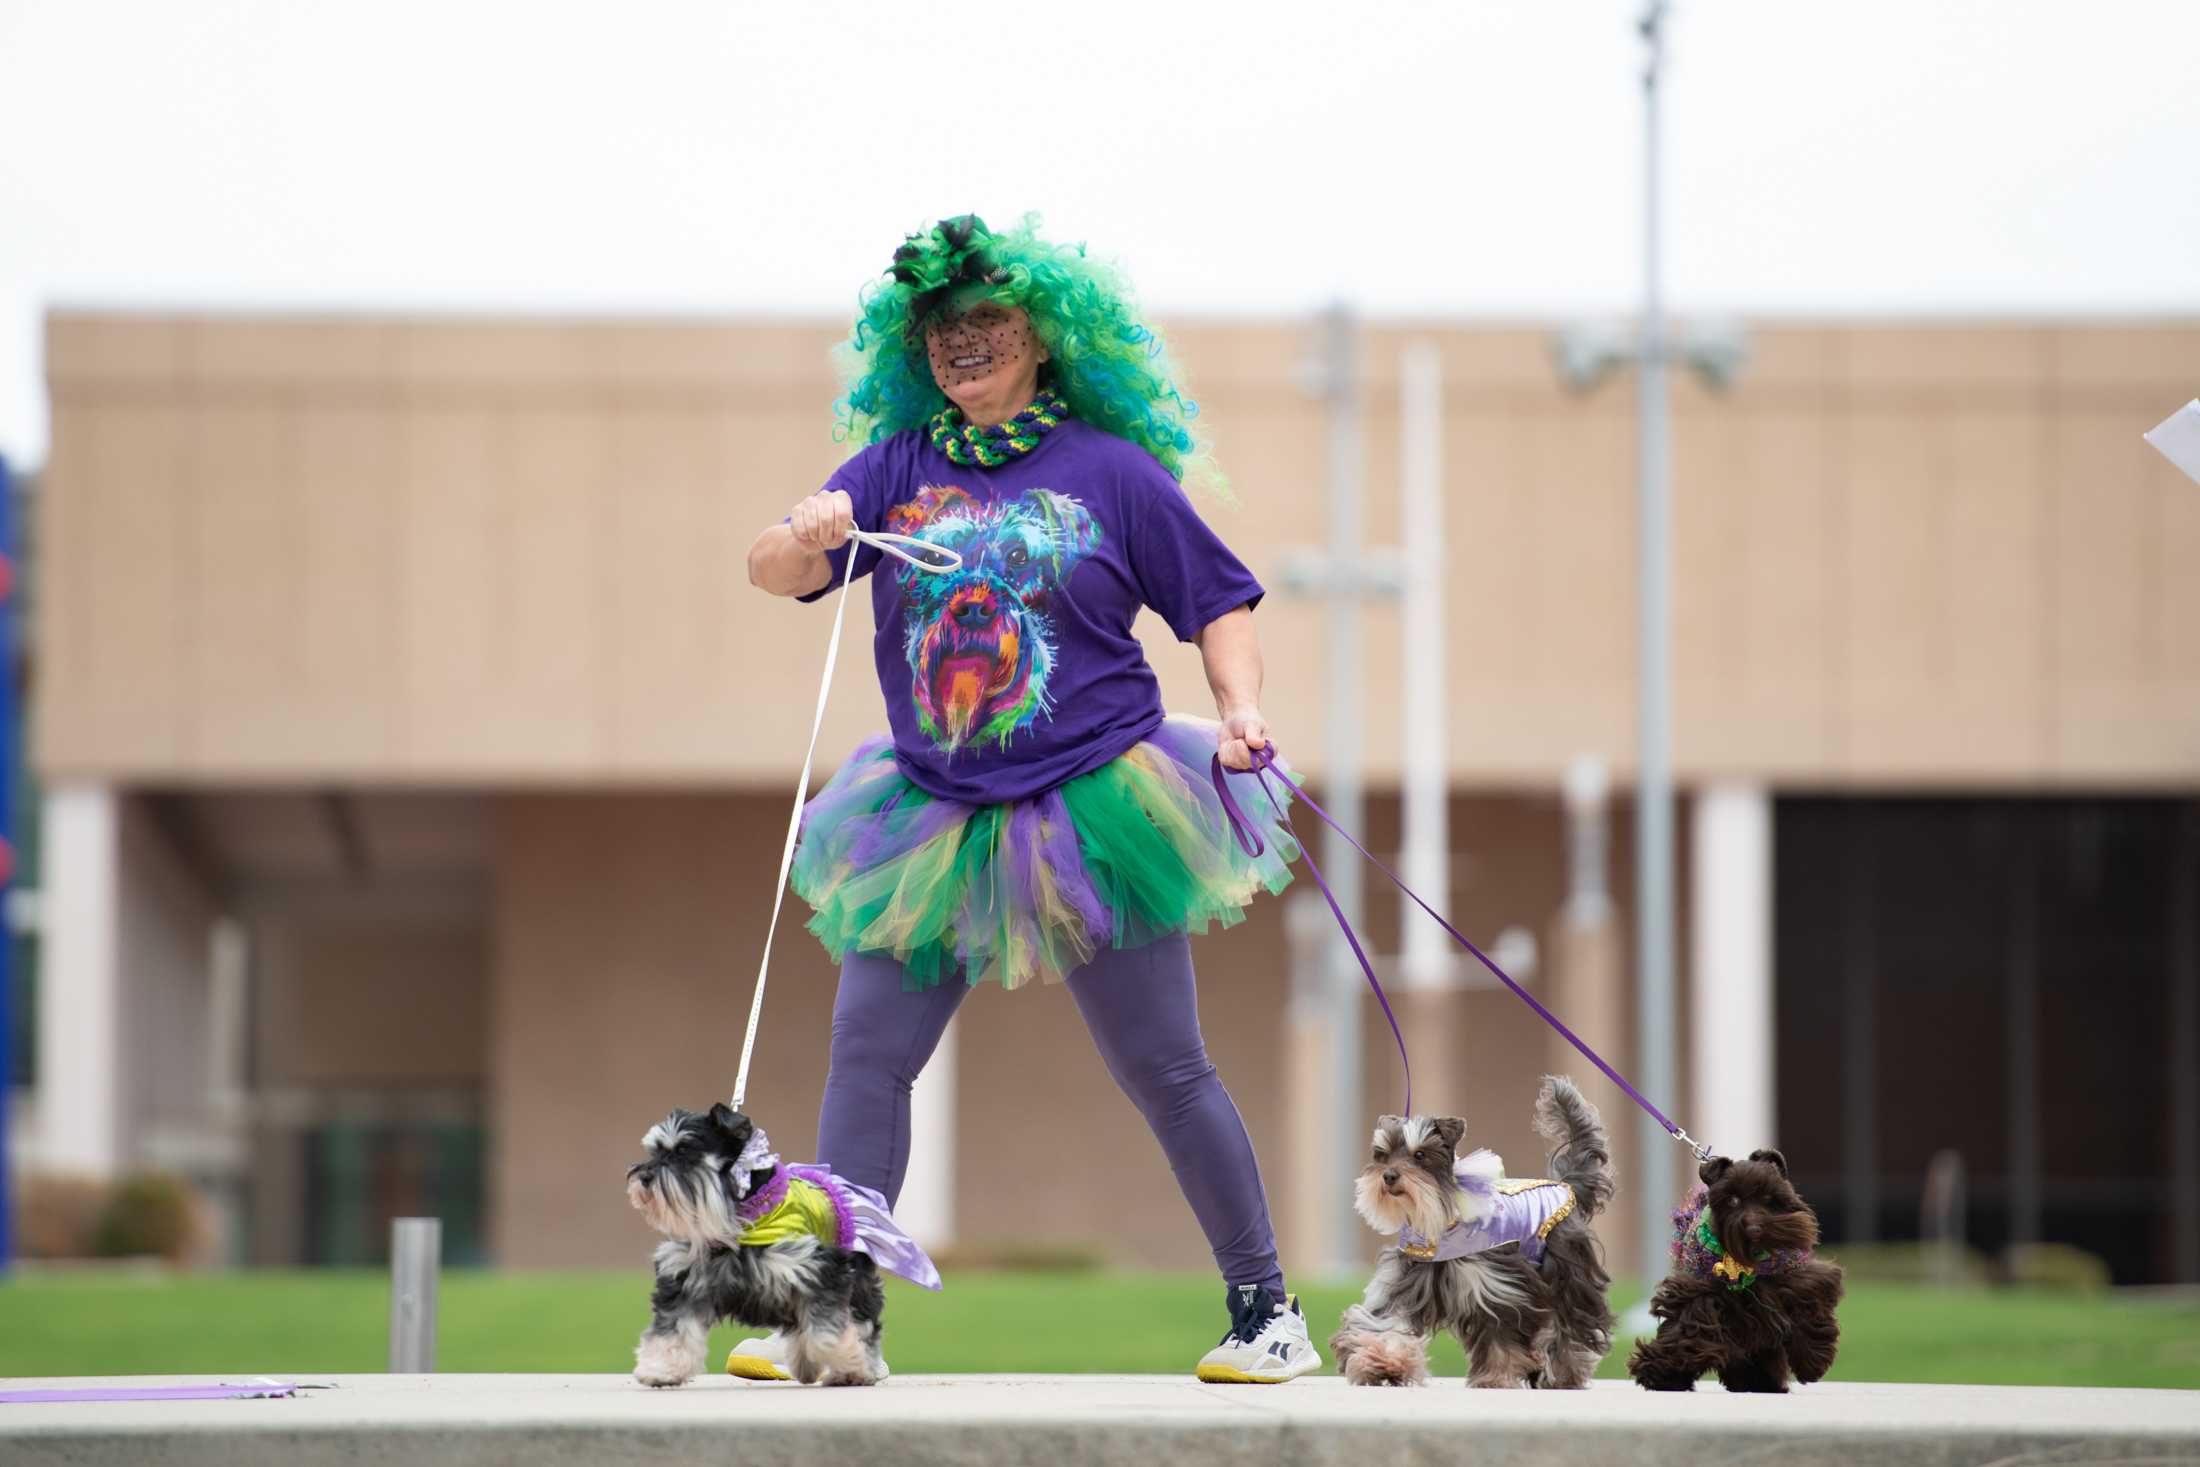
{"x": 57, "y": 1214}
{"x": 149, "y": 1214}
{"x": 1912, "y": 1263}
{"x": 2053, "y": 1266}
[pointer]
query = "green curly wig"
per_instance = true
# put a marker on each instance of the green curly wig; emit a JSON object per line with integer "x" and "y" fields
{"x": 1110, "y": 367}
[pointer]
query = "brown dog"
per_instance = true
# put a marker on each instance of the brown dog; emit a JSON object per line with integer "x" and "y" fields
{"x": 1746, "y": 1298}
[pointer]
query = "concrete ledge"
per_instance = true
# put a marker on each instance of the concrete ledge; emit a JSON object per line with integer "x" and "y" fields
{"x": 1098, "y": 1421}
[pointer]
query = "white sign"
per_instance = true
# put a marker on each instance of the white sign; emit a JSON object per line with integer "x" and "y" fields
{"x": 2178, "y": 439}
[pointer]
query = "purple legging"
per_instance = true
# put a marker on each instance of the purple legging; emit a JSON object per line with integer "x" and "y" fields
{"x": 1142, "y": 1007}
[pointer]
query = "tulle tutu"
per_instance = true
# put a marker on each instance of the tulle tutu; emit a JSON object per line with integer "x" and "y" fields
{"x": 1135, "y": 850}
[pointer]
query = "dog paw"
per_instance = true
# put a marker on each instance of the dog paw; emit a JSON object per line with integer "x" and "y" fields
{"x": 1367, "y": 1376}
{"x": 841, "y": 1378}
{"x": 1382, "y": 1360}
{"x": 1664, "y": 1383}
{"x": 664, "y": 1360}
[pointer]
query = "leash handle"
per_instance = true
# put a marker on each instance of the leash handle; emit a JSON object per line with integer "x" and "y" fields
{"x": 925, "y": 556}
{"x": 1264, "y": 764}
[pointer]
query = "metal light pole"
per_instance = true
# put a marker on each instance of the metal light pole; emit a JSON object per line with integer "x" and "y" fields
{"x": 1715, "y": 351}
{"x": 1345, "y": 572}
{"x": 1654, "y": 727}
{"x": 1347, "y": 697}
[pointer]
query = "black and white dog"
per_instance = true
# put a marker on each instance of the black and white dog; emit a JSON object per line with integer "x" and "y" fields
{"x": 700, "y": 1183}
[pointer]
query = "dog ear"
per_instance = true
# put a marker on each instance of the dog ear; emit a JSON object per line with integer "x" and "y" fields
{"x": 1076, "y": 534}
{"x": 1449, "y": 1130}
{"x": 1713, "y": 1169}
{"x": 933, "y": 502}
{"x": 1388, "y": 1126}
{"x": 731, "y": 1121}
{"x": 1772, "y": 1156}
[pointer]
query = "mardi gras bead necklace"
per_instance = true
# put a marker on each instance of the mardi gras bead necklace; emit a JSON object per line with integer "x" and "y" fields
{"x": 963, "y": 442}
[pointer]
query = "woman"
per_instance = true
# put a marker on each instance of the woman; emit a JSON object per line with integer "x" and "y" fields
{"x": 1033, "y": 813}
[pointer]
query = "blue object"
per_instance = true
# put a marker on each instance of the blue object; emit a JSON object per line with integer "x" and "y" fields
{"x": 10, "y": 598}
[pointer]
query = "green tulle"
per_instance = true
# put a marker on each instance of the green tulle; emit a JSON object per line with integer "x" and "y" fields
{"x": 1143, "y": 865}
{"x": 1128, "y": 853}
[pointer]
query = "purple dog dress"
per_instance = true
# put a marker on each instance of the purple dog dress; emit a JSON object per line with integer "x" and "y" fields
{"x": 1494, "y": 1210}
{"x": 812, "y": 1201}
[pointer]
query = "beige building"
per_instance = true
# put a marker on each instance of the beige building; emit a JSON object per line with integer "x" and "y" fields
{"x": 417, "y": 759}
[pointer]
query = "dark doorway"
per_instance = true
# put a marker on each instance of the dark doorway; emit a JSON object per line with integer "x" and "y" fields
{"x": 2018, "y": 980}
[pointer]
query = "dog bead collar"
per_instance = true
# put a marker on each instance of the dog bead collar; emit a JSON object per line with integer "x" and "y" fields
{"x": 1738, "y": 1275}
{"x": 1698, "y": 1251}
{"x": 988, "y": 448}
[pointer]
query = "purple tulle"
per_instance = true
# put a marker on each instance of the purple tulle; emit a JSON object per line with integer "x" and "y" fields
{"x": 867, "y": 1225}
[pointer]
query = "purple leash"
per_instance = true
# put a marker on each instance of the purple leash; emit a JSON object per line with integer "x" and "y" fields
{"x": 1248, "y": 838}
{"x": 148, "y": 1393}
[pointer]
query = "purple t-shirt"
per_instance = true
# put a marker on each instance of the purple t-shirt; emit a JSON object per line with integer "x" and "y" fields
{"x": 1019, "y": 671}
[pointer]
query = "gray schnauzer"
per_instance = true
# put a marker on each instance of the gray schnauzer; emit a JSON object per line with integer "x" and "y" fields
{"x": 1509, "y": 1266}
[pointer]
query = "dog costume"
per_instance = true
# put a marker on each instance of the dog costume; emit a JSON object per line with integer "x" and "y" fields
{"x": 811, "y": 1200}
{"x": 1494, "y": 1210}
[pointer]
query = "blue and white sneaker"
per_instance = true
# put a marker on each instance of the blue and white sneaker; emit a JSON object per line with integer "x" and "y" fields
{"x": 1266, "y": 1345}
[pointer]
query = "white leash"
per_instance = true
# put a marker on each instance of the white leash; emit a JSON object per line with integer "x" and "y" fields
{"x": 932, "y": 558}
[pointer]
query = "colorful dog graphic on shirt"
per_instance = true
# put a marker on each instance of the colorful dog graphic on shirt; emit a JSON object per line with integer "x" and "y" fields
{"x": 979, "y": 641}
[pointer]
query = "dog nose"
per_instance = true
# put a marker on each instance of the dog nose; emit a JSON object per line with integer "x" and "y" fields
{"x": 975, "y": 612}
{"x": 1391, "y": 1177}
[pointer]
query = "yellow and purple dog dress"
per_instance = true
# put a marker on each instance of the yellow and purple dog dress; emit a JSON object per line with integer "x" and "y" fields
{"x": 814, "y": 1202}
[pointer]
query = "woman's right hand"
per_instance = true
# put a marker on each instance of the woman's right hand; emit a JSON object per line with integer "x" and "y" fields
{"x": 823, "y": 521}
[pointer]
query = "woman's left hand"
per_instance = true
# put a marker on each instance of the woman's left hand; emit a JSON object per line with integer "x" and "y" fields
{"x": 1242, "y": 733}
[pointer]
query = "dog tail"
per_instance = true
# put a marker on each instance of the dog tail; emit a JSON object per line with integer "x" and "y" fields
{"x": 1582, "y": 1153}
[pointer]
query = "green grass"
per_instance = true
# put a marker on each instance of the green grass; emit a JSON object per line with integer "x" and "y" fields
{"x": 315, "y": 1323}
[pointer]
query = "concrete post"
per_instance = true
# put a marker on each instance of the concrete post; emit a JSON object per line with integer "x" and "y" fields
{"x": 1310, "y": 1180}
{"x": 1731, "y": 1090}
{"x": 1588, "y": 983}
{"x": 1426, "y": 950}
{"x": 79, "y": 1018}
{"x": 927, "y": 1203}
{"x": 416, "y": 1258}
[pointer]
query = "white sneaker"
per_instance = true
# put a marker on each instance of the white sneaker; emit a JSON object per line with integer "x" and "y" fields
{"x": 766, "y": 1359}
{"x": 1266, "y": 1345}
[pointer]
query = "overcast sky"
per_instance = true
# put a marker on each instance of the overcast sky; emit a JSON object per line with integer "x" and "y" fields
{"x": 1472, "y": 157}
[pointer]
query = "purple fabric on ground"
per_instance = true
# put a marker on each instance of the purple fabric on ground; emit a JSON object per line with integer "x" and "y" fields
{"x": 1141, "y": 1006}
{"x": 147, "y": 1393}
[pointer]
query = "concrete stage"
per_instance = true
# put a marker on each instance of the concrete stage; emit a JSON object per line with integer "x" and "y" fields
{"x": 1094, "y": 1421}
